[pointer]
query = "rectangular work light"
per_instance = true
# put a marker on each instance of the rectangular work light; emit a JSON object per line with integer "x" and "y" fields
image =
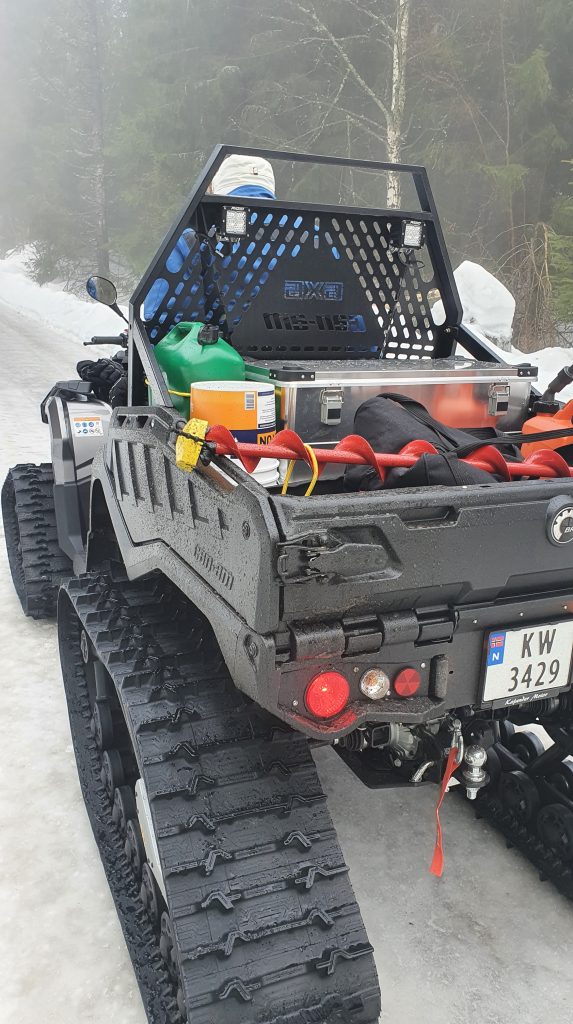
{"x": 235, "y": 220}
{"x": 412, "y": 234}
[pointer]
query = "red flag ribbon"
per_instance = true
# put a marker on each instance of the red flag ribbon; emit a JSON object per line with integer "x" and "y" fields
{"x": 437, "y": 865}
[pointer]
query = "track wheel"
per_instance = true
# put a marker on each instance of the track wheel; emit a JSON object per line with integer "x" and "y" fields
{"x": 124, "y": 808}
{"x": 134, "y": 848}
{"x": 526, "y": 746}
{"x": 555, "y": 827}
{"x": 112, "y": 773}
{"x": 493, "y": 769}
{"x": 102, "y": 724}
{"x": 562, "y": 779}
{"x": 167, "y": 947}
{"x": 150, "y": 895}
{"x": 519, "y": 795}
{"x": 506, "y": 731}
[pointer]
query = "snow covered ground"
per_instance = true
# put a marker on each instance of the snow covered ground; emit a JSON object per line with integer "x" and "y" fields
{"x": 63, "y": 958}
{"x": 487, "y": 944}
{"x": 53, "y": 306}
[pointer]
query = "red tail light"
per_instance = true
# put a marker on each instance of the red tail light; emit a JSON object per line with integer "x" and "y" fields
{"x": 407, "y": 682}
{"x": 327, "y": 694}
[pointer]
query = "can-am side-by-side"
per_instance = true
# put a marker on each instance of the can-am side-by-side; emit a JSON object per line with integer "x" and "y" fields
{"x": 298, "y": 507}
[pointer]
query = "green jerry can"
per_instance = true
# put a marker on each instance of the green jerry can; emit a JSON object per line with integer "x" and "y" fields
{"x": 194, "y": 352}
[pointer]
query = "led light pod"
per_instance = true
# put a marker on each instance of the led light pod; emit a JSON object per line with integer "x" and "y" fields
{"x": 235, "y": 220}
{"x": 412, "y": 234}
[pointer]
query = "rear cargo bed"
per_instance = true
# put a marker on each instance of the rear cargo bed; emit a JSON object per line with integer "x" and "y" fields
{"x": 415, "y": 548}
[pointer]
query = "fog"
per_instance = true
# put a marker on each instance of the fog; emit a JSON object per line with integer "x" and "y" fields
{"x": 111, "y": 107}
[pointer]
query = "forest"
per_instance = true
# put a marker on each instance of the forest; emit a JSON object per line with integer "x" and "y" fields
{"x": 111, "y": 107}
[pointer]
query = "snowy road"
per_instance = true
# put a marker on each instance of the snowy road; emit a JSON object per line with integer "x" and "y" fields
{"x": 488, "y": 944}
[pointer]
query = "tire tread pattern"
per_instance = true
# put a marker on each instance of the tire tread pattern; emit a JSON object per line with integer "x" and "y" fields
{"x": 266, "y": 924}
{"x": 37, "y": 563}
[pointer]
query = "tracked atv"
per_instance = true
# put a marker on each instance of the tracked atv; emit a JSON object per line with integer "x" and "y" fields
{"x": 211, "y": 628}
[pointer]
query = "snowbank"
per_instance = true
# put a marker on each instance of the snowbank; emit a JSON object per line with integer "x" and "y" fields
{"x": 487, "y": 304}
{"x": 79, "y": 318}
{"x": 549, "y": 361}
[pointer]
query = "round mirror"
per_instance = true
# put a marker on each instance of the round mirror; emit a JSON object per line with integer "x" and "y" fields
{"x": 102, "y": 290}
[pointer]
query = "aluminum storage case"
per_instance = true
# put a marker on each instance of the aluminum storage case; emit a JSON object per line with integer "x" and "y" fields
{"x": 319, "y": 399}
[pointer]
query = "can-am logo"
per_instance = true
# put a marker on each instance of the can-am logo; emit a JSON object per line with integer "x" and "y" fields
{"x": 561, "y": 526}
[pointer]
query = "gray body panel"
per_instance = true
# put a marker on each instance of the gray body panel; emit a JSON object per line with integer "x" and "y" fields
{"x": 397, "y": 577}
{"x": 77, "y": 433}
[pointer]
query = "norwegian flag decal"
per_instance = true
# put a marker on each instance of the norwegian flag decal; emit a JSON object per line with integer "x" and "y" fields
{"x": 496, "y": 648}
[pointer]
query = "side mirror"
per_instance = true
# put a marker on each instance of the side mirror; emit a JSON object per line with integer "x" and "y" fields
{"x": 104, "y": 291}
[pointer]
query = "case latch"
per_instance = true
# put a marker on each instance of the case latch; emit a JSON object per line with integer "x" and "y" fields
{"x": 331, "y": 401}
{"x": 498, "y": 399}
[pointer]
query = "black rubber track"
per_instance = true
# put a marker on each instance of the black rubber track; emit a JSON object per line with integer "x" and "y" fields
{"x": 551, "y": 868}
{"x": 267, "y": 928}
{"x": 37, "y": 563}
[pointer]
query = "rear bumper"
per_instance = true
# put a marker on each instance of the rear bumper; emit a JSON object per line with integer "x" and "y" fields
{"x": 452, "y": 671}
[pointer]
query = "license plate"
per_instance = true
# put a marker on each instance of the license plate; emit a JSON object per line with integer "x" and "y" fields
{"x": 524, "y": 664}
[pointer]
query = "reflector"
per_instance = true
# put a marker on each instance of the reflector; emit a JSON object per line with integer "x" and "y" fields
{"x": 407, "y": 682}
{"x": 327, "y": 694}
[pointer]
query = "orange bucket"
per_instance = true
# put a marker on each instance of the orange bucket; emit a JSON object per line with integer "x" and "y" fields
{"x": 246, "y": 408}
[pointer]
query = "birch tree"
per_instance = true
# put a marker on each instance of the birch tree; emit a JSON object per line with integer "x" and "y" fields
{"x": 388, "y": 95}
{"x": 356, "y": 52}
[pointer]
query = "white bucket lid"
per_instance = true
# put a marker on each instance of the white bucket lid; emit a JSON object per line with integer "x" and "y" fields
{"x": 266, "y": 473}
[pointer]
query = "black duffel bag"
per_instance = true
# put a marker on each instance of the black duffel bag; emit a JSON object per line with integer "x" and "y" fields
{"x": 390, "y": 421}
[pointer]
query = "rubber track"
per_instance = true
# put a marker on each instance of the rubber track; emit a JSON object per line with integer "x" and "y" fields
{"x": 37, "y": 563}
{"x": 266, "y": 924}
{"x": 551, "y": 868}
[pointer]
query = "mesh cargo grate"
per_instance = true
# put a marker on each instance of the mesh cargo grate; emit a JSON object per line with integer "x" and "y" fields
{"x": 299, "y": 286}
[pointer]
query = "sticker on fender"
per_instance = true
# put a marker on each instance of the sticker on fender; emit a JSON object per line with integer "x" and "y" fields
{"x": 524, "y": 664}
{"x": 89, "y": 426}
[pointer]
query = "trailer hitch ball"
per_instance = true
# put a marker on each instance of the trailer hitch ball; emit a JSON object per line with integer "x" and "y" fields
{"x": 474, "y": 776}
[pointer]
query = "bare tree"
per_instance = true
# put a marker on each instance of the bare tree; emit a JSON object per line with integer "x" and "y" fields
{"x": 369, "y": 95}
{"x": 390, "y": 30}
{"x": 395, "y": 115}
{"x": 94, "y": 131}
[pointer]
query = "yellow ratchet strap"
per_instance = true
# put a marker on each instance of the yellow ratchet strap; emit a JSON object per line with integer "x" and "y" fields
{"x": 314, "y": 464}
{"x": 187, "y": 450}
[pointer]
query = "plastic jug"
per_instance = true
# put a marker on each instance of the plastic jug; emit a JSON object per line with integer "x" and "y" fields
{"x": 548, "y": 421}
{"x": 194, "y": 352}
